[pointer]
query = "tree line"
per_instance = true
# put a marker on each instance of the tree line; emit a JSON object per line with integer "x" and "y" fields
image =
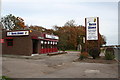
{"x": 70, "y": 35}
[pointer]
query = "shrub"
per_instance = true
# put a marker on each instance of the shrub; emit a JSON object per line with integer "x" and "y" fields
{"x": 83, "y": 50}
{"x": 109, "y": 54}
{"x": 83, "y": 55}
{"x": 5, "y": 78}
{"x": 94, "y": 52}
{"x": 111, "y": 50}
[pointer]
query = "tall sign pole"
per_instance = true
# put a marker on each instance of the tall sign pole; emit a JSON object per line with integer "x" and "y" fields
{"x": 98, "y": 32}
{"x": 92, "y": 30}
{"x": 85, "y": 34}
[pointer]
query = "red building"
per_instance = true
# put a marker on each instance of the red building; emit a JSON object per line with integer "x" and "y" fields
{"x": 28, "y": 43}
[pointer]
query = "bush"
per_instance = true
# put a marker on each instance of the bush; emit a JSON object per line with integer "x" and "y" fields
{"x": 83, "y": 55}
{"x": 94, "y": 52}
{"x": 5, "y": 78}
{"x": 109, "y": 54}
{"x": 63, "y": 48}
{"x": 83, "y": 50}
{"x": 111, "y": 50}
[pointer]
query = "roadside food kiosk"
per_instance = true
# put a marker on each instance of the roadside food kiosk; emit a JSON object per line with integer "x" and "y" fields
{"x": 27, "y": 42}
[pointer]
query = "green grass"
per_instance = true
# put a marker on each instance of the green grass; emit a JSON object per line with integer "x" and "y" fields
{"x": 71, "y": 50}
{"x": 5, "y": 78}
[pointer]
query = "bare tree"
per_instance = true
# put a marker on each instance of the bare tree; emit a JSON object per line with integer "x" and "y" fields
{"x": 70, "y": 23}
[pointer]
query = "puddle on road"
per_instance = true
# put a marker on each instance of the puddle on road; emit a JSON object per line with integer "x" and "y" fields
{"x": 92, "y": 71}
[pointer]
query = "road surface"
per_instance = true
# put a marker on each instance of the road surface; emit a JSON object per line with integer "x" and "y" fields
{"x": 57, "y": 66}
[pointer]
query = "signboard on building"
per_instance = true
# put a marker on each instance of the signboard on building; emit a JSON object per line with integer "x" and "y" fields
{"x": 92, "y": 28}
{"x": 51, "y": 36}
{"x": 18, "y": 33}
{"x": 40, "y": 37}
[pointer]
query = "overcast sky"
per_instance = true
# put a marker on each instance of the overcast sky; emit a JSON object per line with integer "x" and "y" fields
{"x": 48, "y": 13}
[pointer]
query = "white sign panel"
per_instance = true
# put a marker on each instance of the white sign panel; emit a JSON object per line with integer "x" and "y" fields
{"x": 40, "y": 37}
{"x": 18, "y": 33}
{"x": 51, "y": 36}
{"x": 91, "y": 27}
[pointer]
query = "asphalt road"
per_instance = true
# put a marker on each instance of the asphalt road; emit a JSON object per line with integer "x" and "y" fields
{"x": 58, "y": 66}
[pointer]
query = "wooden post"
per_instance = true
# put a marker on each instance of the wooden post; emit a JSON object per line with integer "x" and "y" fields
{"x": 85, "y": 34}
{"x": 98, "y": 32}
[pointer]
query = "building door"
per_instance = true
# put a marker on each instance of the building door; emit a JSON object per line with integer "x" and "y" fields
{"x": 35, "y": 46}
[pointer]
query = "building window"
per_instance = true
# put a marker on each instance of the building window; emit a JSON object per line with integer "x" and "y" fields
{"x": 9, "y": 42}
